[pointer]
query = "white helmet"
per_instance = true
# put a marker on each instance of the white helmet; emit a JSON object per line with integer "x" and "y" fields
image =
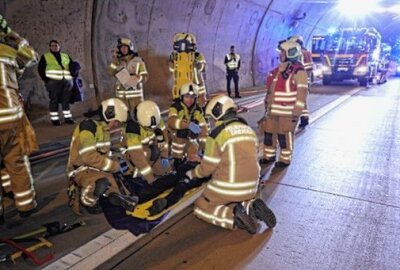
{"x": 218, "y": 106}
{"x": 189, "y": 89}
{"x": 148, "y": 114}
{"x": 114, "y": 109}
{"x": 298, "y": 39}
{"x": 125, "y": 42}
{"x": 292, "y": 50}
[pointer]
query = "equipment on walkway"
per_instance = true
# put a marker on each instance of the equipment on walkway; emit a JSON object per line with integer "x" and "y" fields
{"x": 39, "y": 236}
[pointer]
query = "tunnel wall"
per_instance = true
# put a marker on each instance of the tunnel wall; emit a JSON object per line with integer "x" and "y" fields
{"x": 88, "y": 31}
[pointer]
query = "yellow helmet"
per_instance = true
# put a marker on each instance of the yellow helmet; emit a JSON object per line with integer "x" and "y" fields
{"x": 114, "y": 109}
{"x": 189, "y": 89}
{"x": 184, "y": 42}
{"x": 298, "y": 39}
{"x": 218, "y": 106}
{"x": 148, "y": 114}
{"x": 292, "y": 50}
{"x": 126, "y": 42}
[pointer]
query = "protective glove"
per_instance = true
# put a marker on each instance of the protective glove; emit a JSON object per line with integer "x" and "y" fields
{"x": 195, "y": 128}
{"x": 164, "y": 163}
{"x": 123, "y": 166}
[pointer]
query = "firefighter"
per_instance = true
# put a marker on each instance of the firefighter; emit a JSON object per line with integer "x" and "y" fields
{"x": 187, "y": 66}
{"x": 146, "y": 141}
{"x": 14, "y": 145}
{"x": 54, "y": 69}
{"x": 232, "y": 63}
{"x": 90, "y": 166}
{"x": 287, "y": 91}
{"x": 307, "y": 62}
{"x": 186, "y": 119}
{"x": 230, "y": 158}
{"x": 130, "y": 72}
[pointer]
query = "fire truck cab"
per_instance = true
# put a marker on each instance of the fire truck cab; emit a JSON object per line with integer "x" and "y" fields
{"x": 351, "y": 54}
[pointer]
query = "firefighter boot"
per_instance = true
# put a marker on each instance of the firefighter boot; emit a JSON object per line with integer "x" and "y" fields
{"x": 244, "y": 221}
{"x": 265, "y": 161}
{"x": 261, "y": 211}
{"x": 158, "y": 206}
{"x": 127, "y": 202}
{"x": 280, "y": 164}
{"x": 26, "y": 214}
{"x": 303, "y": 122}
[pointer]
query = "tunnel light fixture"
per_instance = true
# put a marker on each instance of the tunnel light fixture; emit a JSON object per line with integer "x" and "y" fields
{"x": 357, "y": 9}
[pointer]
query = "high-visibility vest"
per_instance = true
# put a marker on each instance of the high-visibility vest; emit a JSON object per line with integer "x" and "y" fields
{"x": 232, "y": 63}
{"x": 283, "y": 91}
{"x": 53, "y": 69}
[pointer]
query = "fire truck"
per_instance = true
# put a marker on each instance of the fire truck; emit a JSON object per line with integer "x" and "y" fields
{"x": 351, "y": 54}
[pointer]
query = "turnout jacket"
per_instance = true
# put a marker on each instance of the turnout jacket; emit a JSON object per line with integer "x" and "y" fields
{"x": 12, "y": 64}
{"x": 230, "y": 158}
{"x": 90, "y": 148}
{"x": 287, "y": 90}
{"x": 180, "y": 116}
{"x": 138, "y": 142}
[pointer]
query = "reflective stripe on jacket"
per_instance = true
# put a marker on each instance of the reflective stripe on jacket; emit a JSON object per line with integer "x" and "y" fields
{"x": 231, "y": 158}
{"x": 12, "y": 64}
{"x": 53, "y": 69}
{"x": 286, "y": 96}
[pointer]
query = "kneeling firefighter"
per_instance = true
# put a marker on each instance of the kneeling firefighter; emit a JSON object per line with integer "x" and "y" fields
{"x": 146, "y": 142}
{"x": 90, "y": 165}
{"x": 230, "y": 158}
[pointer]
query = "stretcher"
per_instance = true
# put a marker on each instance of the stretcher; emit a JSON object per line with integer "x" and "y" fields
{"x": 141, "y": 210}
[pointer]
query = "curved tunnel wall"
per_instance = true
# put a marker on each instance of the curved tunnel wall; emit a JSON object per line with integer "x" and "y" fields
{"x": 88, "y": 30}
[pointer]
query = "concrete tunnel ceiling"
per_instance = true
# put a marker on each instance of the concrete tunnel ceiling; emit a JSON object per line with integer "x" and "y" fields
{"x": 88, "y": 30}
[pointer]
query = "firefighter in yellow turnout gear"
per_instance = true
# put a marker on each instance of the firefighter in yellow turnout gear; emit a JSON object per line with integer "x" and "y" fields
{"x": 130, "y": 72}
{"x": 146, "y": 141}
{"x": 185, "y": 118}
{"x": 229, "y": 199}
{"x": 187, "y": 66}
{"x": 90, "y": 166}
{"x": 14, "y": 149}
{"x": 287, "y": 91}
{"x": 306, "y": 60}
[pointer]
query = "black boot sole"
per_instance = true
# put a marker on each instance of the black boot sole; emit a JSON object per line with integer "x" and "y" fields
{"x": 263, "y": 213}
{"x": 246, "y": 222}
{"x": 118, "y": 200}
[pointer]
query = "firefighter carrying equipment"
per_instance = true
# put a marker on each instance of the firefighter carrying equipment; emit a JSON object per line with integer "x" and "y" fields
{"x": 130, "y": 73}
{"x": 187, "y": 65}
{"x": 184, "y": 42}
{"x": 114, "y": 109}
